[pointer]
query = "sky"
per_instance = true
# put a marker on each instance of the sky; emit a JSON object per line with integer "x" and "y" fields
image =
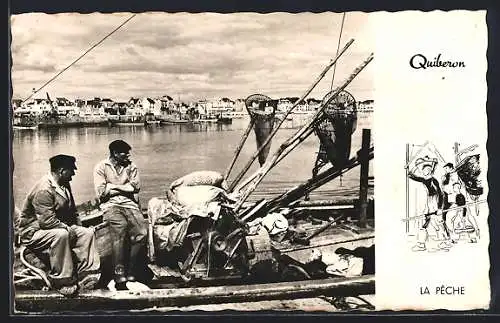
{"x": 188, "y": 56}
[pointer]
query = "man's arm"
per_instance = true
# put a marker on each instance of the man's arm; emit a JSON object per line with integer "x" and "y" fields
{"x": 44, "y": 205}
{"x": 132, "y": 186}
{"x": 100, "y": 181}
{"x": 414, "y": 177}
{"x": 116, "y": 189}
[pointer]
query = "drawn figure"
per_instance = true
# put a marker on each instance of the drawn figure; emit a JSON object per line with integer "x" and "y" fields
{"x": 434, "y": 203}
{"x": 447, "y": 182}
{"x": 451, "y": 211}
{"x": 461, "y": 221}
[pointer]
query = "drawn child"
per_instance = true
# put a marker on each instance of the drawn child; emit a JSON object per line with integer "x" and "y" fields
{"x": 461, "y": 221}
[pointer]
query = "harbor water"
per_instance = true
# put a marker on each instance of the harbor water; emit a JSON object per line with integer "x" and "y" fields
{"x": 165, "y": 153}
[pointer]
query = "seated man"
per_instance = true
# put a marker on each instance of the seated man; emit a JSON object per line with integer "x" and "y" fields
{"x": 48, "y": 222}
{"x": 117, "y": 185}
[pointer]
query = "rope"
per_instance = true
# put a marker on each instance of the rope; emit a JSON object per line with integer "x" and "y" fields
{"x": 338, "y": 46}
{"x": 37, "y": 271}
{"x": 335, "y": 66}
{"x": 80, "y": 57}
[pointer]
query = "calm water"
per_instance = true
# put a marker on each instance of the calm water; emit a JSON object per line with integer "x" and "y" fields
{"x": 166, "y": 153}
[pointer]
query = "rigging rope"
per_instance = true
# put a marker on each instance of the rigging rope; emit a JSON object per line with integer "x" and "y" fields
{"x": 80, "y": 57}
{"x": 338, "y": 45}
{"x": 335, "y": 66}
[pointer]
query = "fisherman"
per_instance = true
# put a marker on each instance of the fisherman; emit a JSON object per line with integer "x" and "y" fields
{"x": 116, "y": 181}
{"x": 434, "y": 202}
{"x": 461, "y": 220}
{"x": 48, "y": 222}
{"x": 447, "y": 182}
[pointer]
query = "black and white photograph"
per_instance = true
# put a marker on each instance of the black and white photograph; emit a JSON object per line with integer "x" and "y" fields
{"x": 194, "y": 161}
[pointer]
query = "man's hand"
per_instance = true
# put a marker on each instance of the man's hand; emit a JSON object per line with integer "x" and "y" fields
{"x": 71, "y": 233}
{"x": 107, "y": 189}
{"x": 106, "y": 192}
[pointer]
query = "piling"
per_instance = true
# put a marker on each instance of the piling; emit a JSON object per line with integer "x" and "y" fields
{"x": 363, "y": 178}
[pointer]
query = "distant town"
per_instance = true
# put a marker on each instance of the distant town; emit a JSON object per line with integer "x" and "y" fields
{"x": 60, "y": 111}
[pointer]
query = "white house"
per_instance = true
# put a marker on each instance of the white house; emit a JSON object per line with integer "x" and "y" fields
{"x": 38, "y": 106}
{"x": 107, "y": 103}
{"x": 147, "y": 105}
{"x": 218, "y": 106}
{"x": 366, "y": 106}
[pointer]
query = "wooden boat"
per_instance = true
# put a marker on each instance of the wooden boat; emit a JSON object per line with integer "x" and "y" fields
{"x": 176, "y": 121}
{"x": 25, "y": 122}
{"x": 344, "y": 234}
{"x": 49, "y": 302}
{"x": 173, "y": 118}
{"x": 223, "y": 119}
{"x": 126, "y": 120}
{"x": 18, "y": 127}
{"x": 291, "y": 276}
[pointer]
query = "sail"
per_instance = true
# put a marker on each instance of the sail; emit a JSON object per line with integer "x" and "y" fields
{"x": 335, "y": 128}
{"x": 468, "y": 170}
{"x": 262, "y": 110}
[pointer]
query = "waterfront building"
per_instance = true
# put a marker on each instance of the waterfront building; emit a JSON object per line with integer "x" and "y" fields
{"x": 365, "y": 106}
{"x": 16, "y": 103}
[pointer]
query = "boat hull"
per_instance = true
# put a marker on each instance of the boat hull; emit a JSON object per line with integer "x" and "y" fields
{"x": 44, "y": 302}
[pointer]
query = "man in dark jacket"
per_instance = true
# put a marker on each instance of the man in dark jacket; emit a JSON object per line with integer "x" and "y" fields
{"x": 434, "y": 203}
{"x": 48, "y": 223}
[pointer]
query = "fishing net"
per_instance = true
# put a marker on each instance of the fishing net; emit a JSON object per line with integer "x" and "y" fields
{"x": 262, "y": 110}
{"x": 468, "y": 171}
{"x": 335, "y": 128}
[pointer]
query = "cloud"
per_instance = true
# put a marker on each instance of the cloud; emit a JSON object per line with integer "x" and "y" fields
{"x": 193, "y": 55}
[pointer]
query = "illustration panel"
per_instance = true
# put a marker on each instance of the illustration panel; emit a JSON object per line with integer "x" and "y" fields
{"x": 432, "y": 164}
{"x": 445, "y": 200}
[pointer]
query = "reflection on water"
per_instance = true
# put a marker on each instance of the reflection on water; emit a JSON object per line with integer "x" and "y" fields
{"x": 164, "y": 153}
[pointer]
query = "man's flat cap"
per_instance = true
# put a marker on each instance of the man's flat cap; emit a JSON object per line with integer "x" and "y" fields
{"x": 119, "y": 146}
{"x": 63, "y": 161}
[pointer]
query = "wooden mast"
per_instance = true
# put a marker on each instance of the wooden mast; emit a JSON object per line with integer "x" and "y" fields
{"x": 271, "y": 135}
{"x": 407, "y": 188}
{"x": 259, "y": 175}
{"x": 363, "y": 178}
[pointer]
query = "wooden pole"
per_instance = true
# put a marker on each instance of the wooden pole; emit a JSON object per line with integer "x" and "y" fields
{"x": 414, "y": 156}
{"x": 239, "y": 147}
{"x": 407, "y": 188}
{"x": 363, "y": 178}
{"x": 271, "y": 135}
{"x": 455, "y": 149}
{"x": 151, "y": 245}
{"x": 299, "y": 191}
{"x": 420, "y": 216}
{"x": 266, "y": 167}
{"x": 282, "y": 155}
{"x": 37, "y": 301}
